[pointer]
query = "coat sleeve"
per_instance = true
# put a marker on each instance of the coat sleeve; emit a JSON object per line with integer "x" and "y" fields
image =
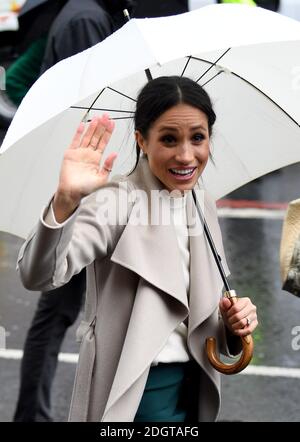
{"x": 81, "y": 32}
{"x": 52, "y": 255}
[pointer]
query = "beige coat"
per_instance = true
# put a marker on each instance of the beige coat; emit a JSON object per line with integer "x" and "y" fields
{"x": 136, "y": 297}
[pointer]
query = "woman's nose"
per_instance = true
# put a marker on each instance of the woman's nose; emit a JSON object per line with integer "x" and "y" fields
{"x": 184, "y": 153}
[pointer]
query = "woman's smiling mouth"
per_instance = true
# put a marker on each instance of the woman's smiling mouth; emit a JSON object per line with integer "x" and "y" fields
{"x": 182, "y": 173}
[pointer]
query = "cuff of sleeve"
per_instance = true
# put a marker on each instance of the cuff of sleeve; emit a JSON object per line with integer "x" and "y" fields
{"x": 48, "y": 217}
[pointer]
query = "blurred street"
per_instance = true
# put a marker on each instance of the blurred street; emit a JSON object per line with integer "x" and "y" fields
{"x": 251, "y": 239}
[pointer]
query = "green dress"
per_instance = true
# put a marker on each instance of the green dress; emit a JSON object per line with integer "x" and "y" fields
{"x": 166, "y": 396}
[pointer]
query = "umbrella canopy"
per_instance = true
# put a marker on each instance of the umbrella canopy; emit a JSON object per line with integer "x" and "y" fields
{"x": 248, "y": 74}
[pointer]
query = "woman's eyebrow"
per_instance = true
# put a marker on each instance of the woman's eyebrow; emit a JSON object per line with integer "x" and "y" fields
{"x": 161, "y": 129}
{"x": 199, "y": 126}
{"x": 175, "y": 129}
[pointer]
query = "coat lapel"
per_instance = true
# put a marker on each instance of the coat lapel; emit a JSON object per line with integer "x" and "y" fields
{"x": 148, "y": 245}
{"x": 152, "y": 252}
{"x": 154, "y": 316}
{"x": 161, "y": 301}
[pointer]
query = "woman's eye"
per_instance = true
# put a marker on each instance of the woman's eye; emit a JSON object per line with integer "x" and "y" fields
{"x": 168, "y": 139}
{"x": 198, "y": 137}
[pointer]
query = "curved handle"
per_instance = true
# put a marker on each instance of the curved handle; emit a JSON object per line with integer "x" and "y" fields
{"x": 247, "y": 352}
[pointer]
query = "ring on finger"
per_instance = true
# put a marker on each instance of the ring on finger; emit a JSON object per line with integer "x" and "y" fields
{"x": 248, "y": 321}
{"x": 107, "y": 169}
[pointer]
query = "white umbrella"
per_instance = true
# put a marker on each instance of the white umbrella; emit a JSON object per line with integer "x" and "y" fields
{"x": 255, "y": 95}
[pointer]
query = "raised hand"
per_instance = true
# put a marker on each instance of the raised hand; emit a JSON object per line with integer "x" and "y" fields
{"x": 81, "y": 173}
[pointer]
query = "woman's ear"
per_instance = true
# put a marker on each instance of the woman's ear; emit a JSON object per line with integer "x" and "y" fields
{"x": 140, "y": 141}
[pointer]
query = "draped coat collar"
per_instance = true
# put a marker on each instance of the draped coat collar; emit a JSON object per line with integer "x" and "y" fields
{"x": 152, "y": 252}
{"x": 146, "y": 291}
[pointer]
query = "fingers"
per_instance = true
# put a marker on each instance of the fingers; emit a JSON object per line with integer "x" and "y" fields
{"x": 77, "y": 137}
{"x": 98, "y": 133}
{"x": 247, "y": 329}
{"x": 103, "y": 141}
{"x": 240, "y": 318}
{"x": 108, "y": 164}
{"x": 85, "y": 142}
{"x": 225, "y": 304}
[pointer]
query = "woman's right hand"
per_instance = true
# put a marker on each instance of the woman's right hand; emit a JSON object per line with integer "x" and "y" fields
{"x": 80, "y": 173}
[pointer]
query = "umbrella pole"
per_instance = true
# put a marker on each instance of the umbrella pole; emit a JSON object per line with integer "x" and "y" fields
{"x": 147, "y": 71}
{"x": 211, "y": 346}
{"x": 216, "y": 256}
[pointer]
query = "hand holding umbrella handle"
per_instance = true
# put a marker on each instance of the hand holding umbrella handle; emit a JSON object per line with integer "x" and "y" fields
{"x": 211, "y": 346}
{"x": 247, "y": 352}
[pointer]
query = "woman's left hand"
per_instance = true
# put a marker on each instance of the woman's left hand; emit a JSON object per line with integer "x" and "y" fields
{"x": 240, "y": 318}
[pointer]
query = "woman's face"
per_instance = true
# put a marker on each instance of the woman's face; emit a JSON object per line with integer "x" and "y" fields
{"x": 177, "y": 146}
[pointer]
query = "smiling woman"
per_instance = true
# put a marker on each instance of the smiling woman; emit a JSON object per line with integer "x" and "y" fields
{"x": 173, "y": 126}
{"x": 153, "y": 289}
{"x": 177, "y": 146}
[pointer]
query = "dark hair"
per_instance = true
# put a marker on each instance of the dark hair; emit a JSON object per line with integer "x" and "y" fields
{"x": 161, "y": 94}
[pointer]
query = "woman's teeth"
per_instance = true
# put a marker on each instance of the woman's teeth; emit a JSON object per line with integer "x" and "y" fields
{"x": 182, "y": 171}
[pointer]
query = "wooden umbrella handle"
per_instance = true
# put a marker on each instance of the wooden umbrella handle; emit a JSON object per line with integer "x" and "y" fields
{"x": 247, "y": 352}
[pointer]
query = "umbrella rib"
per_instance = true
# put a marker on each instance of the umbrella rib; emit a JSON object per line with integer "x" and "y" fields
{"x": 255, "y": 87}
{"x": 148, "y": 74}
{"x": 119, "y": 118}
{"x": 102, "y": 109}
{"x": 121, "y": 93}
{"x": 212, "y": 78}
{"x": 122, "y": 118}
{"x": 267, "y": 96}
{"x": 100, "y": 93}
{"x": 212, "y": 65}
{"x": 186, "y": 65}
{"x": 89, "y": 108}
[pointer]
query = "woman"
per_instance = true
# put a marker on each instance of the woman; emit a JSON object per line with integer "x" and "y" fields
{"x": 154, "y": 290}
